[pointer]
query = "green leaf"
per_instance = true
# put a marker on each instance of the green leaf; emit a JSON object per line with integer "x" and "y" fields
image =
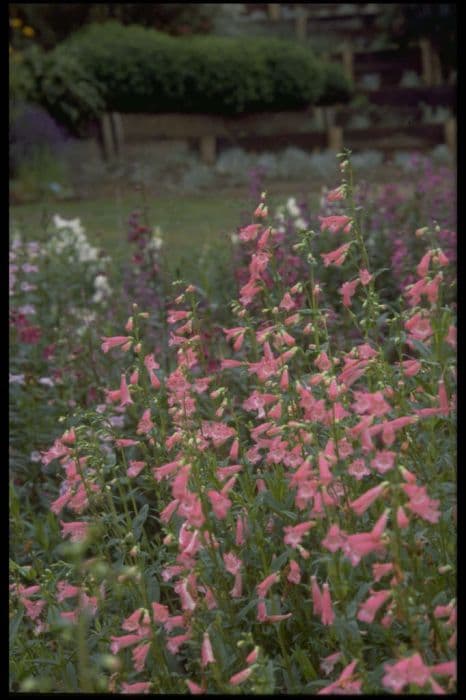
{"x": 14, "y": 625}
{"x": 139, "y": 521}
{"x": 71, "y": 676}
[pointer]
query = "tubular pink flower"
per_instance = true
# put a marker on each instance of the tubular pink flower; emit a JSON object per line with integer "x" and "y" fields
{"x": 368, "y": 609}
{"x": 139, "y": 655}
{"x": 316, "y": 596}
{"x": 124, "y": 392}
{"x": 294, "y": 534}
{"x": 334, "y": 223}
{"x": 194, "y": 688}
{"x": 401, "y": 518}
{"x": 207, "y": 654}
{"x": 404, "y": 672}
{"x": 241, "y": 676}
{"x": 249, "y": 233}
{"x": 263, "y": 587}
{"x": 329, "y": 662}
{"x": 232, "y": 563}
{"x": 126, "y": 640}
{"x": 337, "y": 256}
{"x": 114, "y": 342}
{"x": 347, "y": 290}
{"x": 77, "y": 530}
{"x": 135, "y": 688}
{"x": 135, "y": 468}
{"x": 336, "y": 194}
{"x": 344, "y": 685}
{"x": 361, "y": 504}
{"x": 220, "y": 504}
{"x": 327, "y": 614}
{"x": 335, "y": 539}
{"x": 145, "y": 424}
{"x": 294, "y": 575}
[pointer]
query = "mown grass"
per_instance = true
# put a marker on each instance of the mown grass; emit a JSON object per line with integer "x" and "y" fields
{"x": 188, "y": 222}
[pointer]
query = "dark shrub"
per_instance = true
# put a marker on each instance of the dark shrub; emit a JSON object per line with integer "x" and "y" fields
{"x": 141, "y": 70}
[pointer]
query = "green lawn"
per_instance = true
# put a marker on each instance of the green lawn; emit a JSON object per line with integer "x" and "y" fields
{"x": 186, "y": 222}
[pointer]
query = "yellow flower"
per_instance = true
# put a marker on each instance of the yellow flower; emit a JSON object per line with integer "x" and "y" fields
{"x": 28, "y": 31}
{"x": 15, "y": 22}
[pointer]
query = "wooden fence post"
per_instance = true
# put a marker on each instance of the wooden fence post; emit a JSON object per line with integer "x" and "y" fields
{"x": 426, "y": 58}
{"x": 275, "y": 11}
{"x": 335, "y": 138}
{"x": 449, "y": 128}
{"x": 301, "y": 24}
{"x": 436, "y": 69}
{"x": 107, "y": 136}
{"x": 348, "y": 62}
{"x": 118, "y": 136}
{"x": 208, "y": 147}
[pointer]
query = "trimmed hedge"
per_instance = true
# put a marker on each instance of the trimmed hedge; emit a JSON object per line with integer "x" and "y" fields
{"x": 134, "y": 69}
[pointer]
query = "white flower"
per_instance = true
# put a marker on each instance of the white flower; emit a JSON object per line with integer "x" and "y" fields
{"x": 46, "y": 381}
{"x": 102, "y": 287}
{"x": 234, "y": 238}
{"x": 16, "y": 378}
{"x": 156, "y": 243}
{"x": 292, "y": 207}
{"x": 73, "y": 224}
{"x": 300, "y": 224}
{"x": 27, "y": 309}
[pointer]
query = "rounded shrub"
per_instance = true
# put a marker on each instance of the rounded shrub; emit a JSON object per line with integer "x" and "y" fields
{"x": 135, "y": 69}
{"x": 337, "y": 86}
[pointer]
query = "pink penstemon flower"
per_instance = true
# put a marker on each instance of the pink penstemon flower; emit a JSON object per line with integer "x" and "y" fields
{"x": 365, "y": 277}
{"x": 316, "y": 596}
{"x": 329, "y": 662}
{"x": 358, "y": 469}
{"x": 76, "y": 530}
{"x": 294, "y": 534}
{"x": 361, "y": 504}
{"x": 335, "y": 223}
{"x": 347, "y": 290}
{"x": 327, "y": 614}
{"x": 294, "y": 575}
{"x": 241, "y": 676}
{"x": 194, "y": 688}
{"x": 66, "y": 590}
{"x": 368, "y": 609}
{"x": 207, "y": 654}
{"x": 420, "y": 504}
{"x": 263, "y": 587}
{"x": 145, "y": 424}
{"x": 221, "y": 504}
{"x": 344, "y": 683}
{"x": 383, "y": 461}
{"x": 139, "y": 655}
{"x": 116, "y": 341}
{"x": 336, "y": 194}
{"x": 135, "y": 468}
{"x": 135, "y": 688}
{"x": 249, "y": 233}
{"x": 337, "y": 256}
{"x": 125, "y": 397}
{"x": 411, "y": 670}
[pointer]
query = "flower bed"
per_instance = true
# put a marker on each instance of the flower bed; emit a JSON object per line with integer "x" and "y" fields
{"x": 267, "y": 512}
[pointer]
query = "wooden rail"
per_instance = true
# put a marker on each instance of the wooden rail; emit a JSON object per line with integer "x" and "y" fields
{"x": 267, "y": 132}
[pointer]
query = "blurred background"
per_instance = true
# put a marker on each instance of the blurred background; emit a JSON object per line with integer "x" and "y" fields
{"x": 187, "y": 106}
